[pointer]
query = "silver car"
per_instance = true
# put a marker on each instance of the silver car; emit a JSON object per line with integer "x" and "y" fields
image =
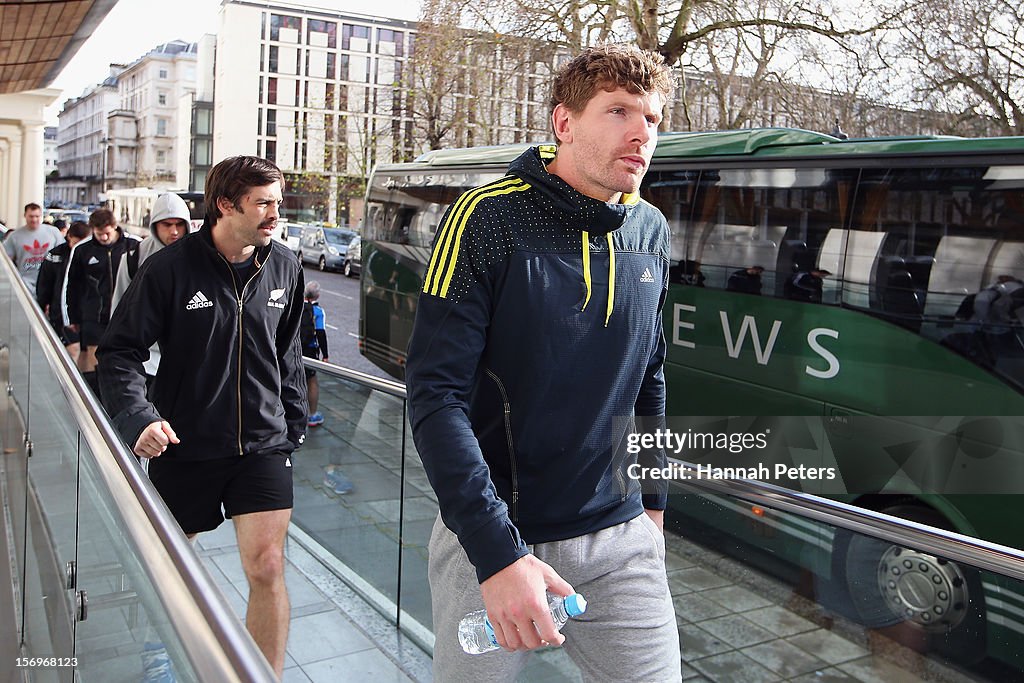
{"x": 326, "y": 247}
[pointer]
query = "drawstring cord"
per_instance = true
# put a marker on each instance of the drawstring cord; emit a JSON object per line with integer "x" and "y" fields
{"x": 611, "y": 275}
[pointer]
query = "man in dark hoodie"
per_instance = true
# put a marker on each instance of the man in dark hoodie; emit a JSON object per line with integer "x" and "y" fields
{"x": 537, "y": 345}
{"x": 50, "y": 284}
{"x": 168, "y": 223}
{"x": 89, "y": 286}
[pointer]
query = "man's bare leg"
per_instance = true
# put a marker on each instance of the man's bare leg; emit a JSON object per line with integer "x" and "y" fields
{"x": 261, "y": 544}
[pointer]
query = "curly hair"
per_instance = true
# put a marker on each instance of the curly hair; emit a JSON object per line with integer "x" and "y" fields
{"x": 609, "y": 67}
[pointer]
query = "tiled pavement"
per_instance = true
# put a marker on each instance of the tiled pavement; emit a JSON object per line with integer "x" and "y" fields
{"x": 735, "y": 626}
{"x": 334, "y": 634}
{"x": 730, "y": 633}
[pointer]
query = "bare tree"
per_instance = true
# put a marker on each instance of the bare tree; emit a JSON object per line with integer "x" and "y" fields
{"x": 968, "y": 56}
{"x": 736, "y": 41}
{"x": 473, "y": 86}
{"x": 436, "y": 71}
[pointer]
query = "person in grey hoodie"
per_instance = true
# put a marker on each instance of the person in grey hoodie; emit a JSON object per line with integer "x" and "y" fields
{"x": 169, "y": 223}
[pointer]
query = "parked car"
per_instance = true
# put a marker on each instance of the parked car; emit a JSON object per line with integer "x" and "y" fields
{"x": 325, "y": 247}
{"x": 290, "y": 234}
{"x": 73, "y": 216}
{"x": 353, "y": 262}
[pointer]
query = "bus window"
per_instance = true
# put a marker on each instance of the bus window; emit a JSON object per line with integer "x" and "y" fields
{"x": 775, "y": 219}
{"x": 951, "y": 259}
{"x": 850, "y": 257}
{"x": 672, "y": 192}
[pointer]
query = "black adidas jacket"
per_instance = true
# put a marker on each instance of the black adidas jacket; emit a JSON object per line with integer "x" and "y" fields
{"x": 230, "y": 380}
{"x": 92, "y": 272}
{"x": 537, "y": 343}
{"x": 50, "y": 283}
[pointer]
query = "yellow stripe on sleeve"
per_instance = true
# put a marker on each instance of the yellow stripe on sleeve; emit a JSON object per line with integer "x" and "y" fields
{"x": 445, "y": 236}
{"x": 517, "y": 185}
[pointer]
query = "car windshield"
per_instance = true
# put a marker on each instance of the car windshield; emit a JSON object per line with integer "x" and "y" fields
{"x": 341, "y": 237}
{"x": 294, "y": 231}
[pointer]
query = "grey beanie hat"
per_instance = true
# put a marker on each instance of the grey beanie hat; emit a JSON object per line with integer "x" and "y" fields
{"x": 168, "y": 206}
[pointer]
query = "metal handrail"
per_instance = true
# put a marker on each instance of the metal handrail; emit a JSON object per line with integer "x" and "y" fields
{"x": 217, "y": 646}
{"x": 387, "y": 386}
{"x": 951, "y": 545}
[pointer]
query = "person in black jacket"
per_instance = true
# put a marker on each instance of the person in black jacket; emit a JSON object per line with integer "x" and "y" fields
{"x": 747, "y": 280}
{"x": 89, "y": 286}
{"x": 806, "y": 285}
{"x": 50, "y": 283}
{"x": 228, "y": 405}
{"x": 538, "y": 342}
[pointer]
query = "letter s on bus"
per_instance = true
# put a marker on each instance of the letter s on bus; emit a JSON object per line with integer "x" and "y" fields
{"x": 830, "y": 358}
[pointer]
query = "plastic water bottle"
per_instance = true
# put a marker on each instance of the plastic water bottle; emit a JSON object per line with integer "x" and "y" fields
{"x": 476, "y": 635}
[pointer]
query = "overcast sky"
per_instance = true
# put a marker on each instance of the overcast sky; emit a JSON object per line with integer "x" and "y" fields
{"x": 133, "y": 27}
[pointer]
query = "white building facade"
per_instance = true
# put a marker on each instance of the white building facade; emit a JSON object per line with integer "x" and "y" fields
{"x": 81, "y": 139}
{"x": 152, "y": 90}
{"x": 326, "y": 95}
{"x": 49, "y": 150}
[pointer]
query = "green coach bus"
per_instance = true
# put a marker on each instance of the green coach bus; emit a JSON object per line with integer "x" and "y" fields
{"x": 859, "y": 303}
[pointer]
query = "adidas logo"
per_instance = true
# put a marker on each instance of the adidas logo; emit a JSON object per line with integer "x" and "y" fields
{"x": 287, "y": 462}
{"x": 93, "y": 261}
{"x": 275, "y": 296}
{"x": 199, "y": 300}
{"x": 647, "y": 277}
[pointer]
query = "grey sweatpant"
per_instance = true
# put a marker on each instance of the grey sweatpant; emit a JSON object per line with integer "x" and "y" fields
{"x": 628, "y": 632}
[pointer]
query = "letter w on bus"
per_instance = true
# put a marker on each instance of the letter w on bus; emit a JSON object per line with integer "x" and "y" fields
{"x": 734, "y": 347}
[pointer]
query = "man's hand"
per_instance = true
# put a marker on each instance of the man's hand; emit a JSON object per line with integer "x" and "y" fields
{"x": 518, "y": 607}
{"x": 154, "y": 439}
{"x": 658, "y": 516}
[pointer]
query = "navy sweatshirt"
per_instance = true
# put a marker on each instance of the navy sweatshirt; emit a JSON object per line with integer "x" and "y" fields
{"x": 538, "y": 337}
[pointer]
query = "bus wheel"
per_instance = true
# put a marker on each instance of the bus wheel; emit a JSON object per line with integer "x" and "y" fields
{"x": 925, "y": 602}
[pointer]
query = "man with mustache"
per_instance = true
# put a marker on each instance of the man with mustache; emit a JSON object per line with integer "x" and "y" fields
{"x": 537, "y": 343}
{"x": 228, "y": 405}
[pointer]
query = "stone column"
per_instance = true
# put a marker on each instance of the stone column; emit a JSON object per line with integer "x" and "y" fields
{"x": 7, "y": 201}
{"x": 32, "y": 171}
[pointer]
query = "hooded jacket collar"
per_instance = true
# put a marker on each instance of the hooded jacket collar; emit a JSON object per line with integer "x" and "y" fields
{"x": 581, "y": 212}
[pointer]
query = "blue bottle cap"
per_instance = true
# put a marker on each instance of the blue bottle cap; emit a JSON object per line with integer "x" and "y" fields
{"x": 489, "y": 630}
{"x": 575, "y": 605}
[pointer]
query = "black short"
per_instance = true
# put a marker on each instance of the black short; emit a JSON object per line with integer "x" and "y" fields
{"x": 194, "y": 490}
{"x": 91, "y": 333}
{"x": 315, "y": 355}
{"x": 69, "y": 336}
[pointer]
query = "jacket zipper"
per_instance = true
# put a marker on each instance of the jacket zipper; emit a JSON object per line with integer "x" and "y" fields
{"x": 110, "y": 271}
{"x": 511, "y": 449}
{"x": 238, "y": 375}
{"x": 622, "y": 484}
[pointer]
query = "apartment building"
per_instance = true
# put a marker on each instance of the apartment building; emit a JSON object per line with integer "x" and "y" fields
{"x": 81, "y": 141}
{"x": 49, "y": 149}
{"x": 327, "y": 95}
{"x": 125, "y": 131}
{"x": 155, "y": 94}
